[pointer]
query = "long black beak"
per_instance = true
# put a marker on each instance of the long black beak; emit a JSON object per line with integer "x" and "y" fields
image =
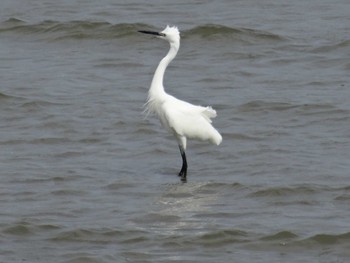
{"x": 152, "y": 33}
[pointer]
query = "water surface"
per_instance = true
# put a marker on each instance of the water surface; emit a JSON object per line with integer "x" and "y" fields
{"x": 86, "y": 178}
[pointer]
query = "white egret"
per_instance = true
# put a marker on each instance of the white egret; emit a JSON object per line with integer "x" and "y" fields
{"x": 181, "y": 118}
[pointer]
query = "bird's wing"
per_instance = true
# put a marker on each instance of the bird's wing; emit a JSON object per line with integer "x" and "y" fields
{"x": 186, "y": 119}
{"x": 208, "y": 112}
{"x": 188, "y": 108}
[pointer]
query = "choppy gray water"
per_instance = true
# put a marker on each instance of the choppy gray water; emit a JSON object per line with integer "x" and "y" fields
{"x": 85, "y": 178}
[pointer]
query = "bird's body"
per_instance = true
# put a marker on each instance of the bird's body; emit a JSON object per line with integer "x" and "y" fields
{"x": 181, "y": 118}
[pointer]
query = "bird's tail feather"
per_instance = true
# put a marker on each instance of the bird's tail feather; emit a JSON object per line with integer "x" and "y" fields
{"x": 209, "y": 113}
{"x": 216, "y": 138}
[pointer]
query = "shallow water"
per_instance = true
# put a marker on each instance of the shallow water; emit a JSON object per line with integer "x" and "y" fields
{"x": 86, "y": 178}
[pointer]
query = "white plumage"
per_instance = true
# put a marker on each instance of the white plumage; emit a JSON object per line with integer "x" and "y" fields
{"x": 179, "y": 117}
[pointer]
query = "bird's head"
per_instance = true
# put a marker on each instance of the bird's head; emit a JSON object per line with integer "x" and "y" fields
{"x": 170, "y": 33}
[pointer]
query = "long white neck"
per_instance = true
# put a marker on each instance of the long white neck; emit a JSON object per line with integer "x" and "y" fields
{"x": 156, "y": 91}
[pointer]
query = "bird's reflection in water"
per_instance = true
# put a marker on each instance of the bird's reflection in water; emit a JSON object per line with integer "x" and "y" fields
{"x": 178, "y": 208}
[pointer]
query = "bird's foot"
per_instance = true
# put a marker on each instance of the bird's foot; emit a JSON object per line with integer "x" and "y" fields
{"x": 182, "y": 176}
{"x": 183, "y": 179}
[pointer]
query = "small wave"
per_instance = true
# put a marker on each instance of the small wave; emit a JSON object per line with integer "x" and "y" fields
{"x": 74, "y": 235}
{"x": 84, "y": 257}
{"x": 211, "y": 31}
{"x": 284, "y": 191}
{"x": 259, "y": 105}
{"x": 156, "y": 217}
{"x": 291, "y": 239}
{"x": 44, "y": 179}
{"x": 342, "y": 45}
{"x": 299, "y": 109}
{"x": 68, "y": 192}
{"x": 241, "y": 137}
{"x": 57, "y": 30}
{"x": 344, "y": 197}
{"x": 320, "y": 109}
{"x": 11, "y": 23}
{"x": 19, "y": 229}
{"x": 222, "y": 237}
{"x": 118, "y": 186}
{"x": 80, "y": 29}
{"x": 4, "y": 96}
{"x": 283, "y": 235}
{"x": 23, "y": 228}
{"x": 100, "y": 236}
{"x": 214, "y": 187}
{"x": 37, "y": 105}
{"x": 49, "y": 140}
{"x": 328, "y": 239}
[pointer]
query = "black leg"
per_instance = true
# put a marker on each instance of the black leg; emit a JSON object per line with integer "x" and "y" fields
{"x": 183, "y": 171}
